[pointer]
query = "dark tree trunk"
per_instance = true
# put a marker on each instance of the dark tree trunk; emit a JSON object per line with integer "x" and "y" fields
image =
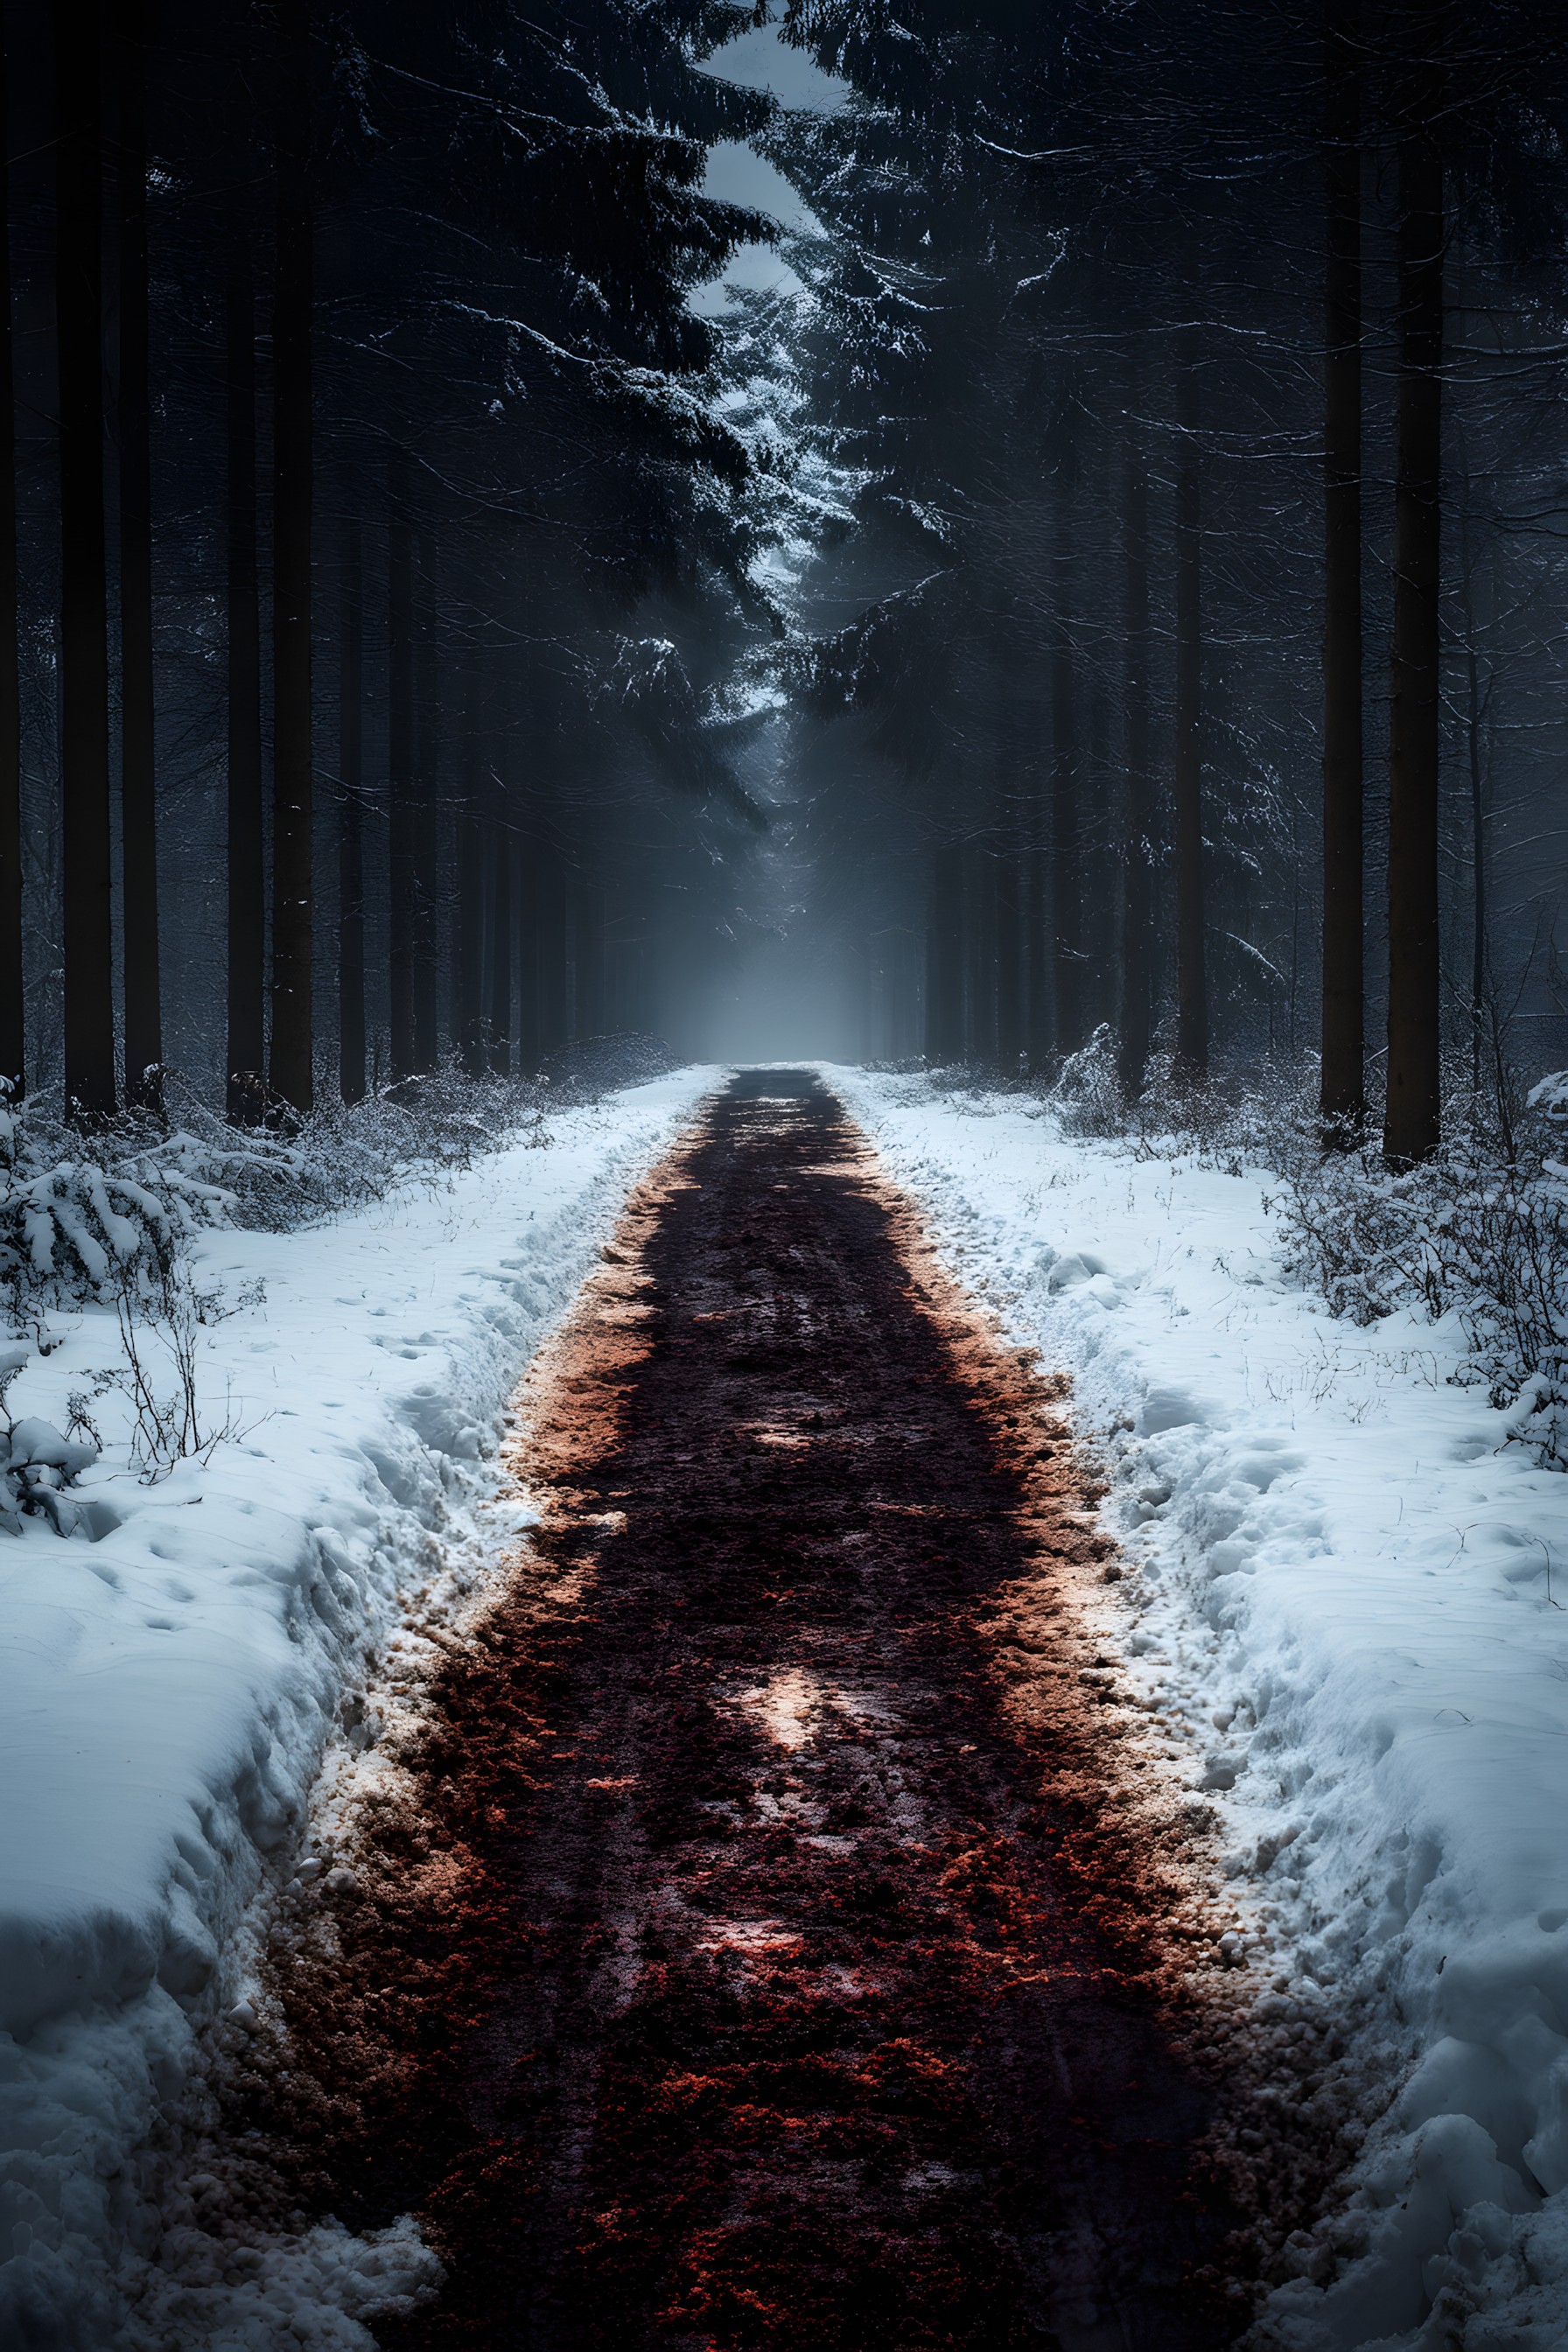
{"x": 427, "y": 835}
{"x": 1192, "y": 972}
{"x": 400, "y": 766}
{"x": 1097, "y": 1002}
{"x": 1008, "y": 918}
{"x": 1412, "y": 1115}
{"x": 12, "y": 1037}
{"x": 1037, "y": 956}
{"x": 1479, "y": 913}
{"x": 138, "y": 755}
{"x": 588, "y": 943}
{"x": 1344, "y": 1089}
{"x": 350, "y": 825}
{"x": 246, "y": 887}
{"x": 1138, "y": 849}
{"x": 944, "y": 955}
{"x": 472, "y": 1041}
{"x": 89, "y": 1079}
{"x": 502, "y": 859}
{"x": 1066, "y": 846}
{"x": 292, "y": 777}
{"x": 543, "y": 941}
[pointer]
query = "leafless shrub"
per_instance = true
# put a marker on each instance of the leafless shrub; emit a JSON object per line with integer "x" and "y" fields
{"x": 160, "y": 1336}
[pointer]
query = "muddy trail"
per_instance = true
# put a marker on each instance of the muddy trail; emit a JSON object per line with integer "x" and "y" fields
{"x": 761, "y": 1945}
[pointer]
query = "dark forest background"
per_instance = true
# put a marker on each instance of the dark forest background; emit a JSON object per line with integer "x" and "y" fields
{"x": 1114, "y": 587}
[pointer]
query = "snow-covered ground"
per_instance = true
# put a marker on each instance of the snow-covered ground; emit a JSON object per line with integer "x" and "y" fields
{"x": 166, "y": 1692}
{"x": 1342, "y": 1591}
{"x": 1344, "y": 1588}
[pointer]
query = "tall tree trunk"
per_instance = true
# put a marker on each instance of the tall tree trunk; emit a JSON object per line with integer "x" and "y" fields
{"x": 1066, "y": 846}
{"x": 138, "y": 753}
{"x": 246, "y": 887}
{"x": 1138, "y": 849}
{"x": 1037, "y": 935}
{"x": 350, "y": 824}
{"x": 292, "y": 465}
{"x": 945, "y": 955}
{"x": 588, "y": 939}
{"x": 427, "y": 835}
{"x": 1010, "y": 882}
{"x": 400, "y": 765}
{"x": 1192, "y": 973}
{"x": 1098, "y": 999}
{"x": 1342, "y": 1099}
{"x": 544, "y": 940}
{"x": 1411, "y": 1119}
{"x": 89, "y": 1077}
{"x": 474, "y": 792}
{"x": 502, "y": 859}
{"x": 12, "y": 1037}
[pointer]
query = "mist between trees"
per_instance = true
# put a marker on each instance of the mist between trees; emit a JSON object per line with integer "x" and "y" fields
{"x": 1118, "y": 585}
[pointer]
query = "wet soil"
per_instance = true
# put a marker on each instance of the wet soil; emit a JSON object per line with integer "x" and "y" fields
{"x": 757, "y": 1947}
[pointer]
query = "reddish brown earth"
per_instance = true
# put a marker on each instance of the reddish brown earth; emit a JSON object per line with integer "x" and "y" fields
{"x": 773, "y": 1938}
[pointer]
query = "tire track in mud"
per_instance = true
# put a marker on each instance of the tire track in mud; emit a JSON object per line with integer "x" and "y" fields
{"x": 767, "y": 1937}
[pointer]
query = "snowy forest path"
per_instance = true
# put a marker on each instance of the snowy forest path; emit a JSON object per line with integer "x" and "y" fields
{"x": 732, "y": 1981}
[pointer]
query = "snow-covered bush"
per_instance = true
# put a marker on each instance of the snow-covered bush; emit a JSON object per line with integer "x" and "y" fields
{"x": 73, "y": 1227}
{"x": 1088, "y": 1093}
{"x": 37, "y": 1463}
{"x": 78, "y": 1223}
{"x": 1474, "y": 1232}
{"x": 1480, "y": 1232}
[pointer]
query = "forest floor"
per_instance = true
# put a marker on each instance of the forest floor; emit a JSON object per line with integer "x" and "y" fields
{"x": 770, "y": 1936}
{"x": 965, "y": 1760}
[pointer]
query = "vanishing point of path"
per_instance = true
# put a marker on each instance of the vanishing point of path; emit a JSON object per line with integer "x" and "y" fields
{"x": 752, "y": 1964}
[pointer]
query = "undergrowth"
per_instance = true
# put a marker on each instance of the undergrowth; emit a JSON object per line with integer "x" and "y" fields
{"x": 1478, "y": 1234}
{"x": 106, "y": 1215}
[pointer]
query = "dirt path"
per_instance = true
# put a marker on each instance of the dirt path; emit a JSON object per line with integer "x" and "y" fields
{"x": 761, "y": 1959}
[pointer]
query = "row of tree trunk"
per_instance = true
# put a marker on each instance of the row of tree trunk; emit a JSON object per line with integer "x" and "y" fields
{"x": 1411, "y": 1119}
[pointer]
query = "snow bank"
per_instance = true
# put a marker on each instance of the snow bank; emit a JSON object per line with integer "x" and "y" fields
{"x": 165, "y": 1694}
{"x": 1344, "y": 1588}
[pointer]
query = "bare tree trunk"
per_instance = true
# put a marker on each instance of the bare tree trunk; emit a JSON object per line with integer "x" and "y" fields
{"x": 1342, "y": 1098}
{"x": 945, "y": 955}
{"x": 501, "y": 860}
{"x": 544, "y": 940}
{"x": 400, "y": 765}
{"x": 291, "y": 1076}
{"x": 427, "y": 838}
{"x": 138, "y": 753}
{"x": 350, "y": 825}
{"x": 1009, "y": 920}
{"x": 1479, "y": 913}
{"x": 472, "y": 1040}
{"x": 1066, "y": 846}
{"x": 246, "y": 884}
{"x": 1037, "y": 937}
{"x": 1138, "y": 849}
{"x": 1192, "y": 973}
{"x": 1413, "y": 1117}
{"x": 89, "y": 1074}
{"x": 12, "y": 1034}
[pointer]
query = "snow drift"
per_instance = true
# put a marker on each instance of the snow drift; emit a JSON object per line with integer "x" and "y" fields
{"x": 166, "y": 1692}
{"x": 1355, "y": 1590}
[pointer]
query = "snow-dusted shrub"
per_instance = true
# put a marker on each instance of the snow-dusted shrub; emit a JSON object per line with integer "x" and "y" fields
{"x": 1088, "y": 1093}
{"x": 1471, "y": 1232}
{"x": 37, "y": 1463}
{"x": 161, "y": 1346}
{"x": 593, "y": 1066}
{"x": 73, "y": 1227}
